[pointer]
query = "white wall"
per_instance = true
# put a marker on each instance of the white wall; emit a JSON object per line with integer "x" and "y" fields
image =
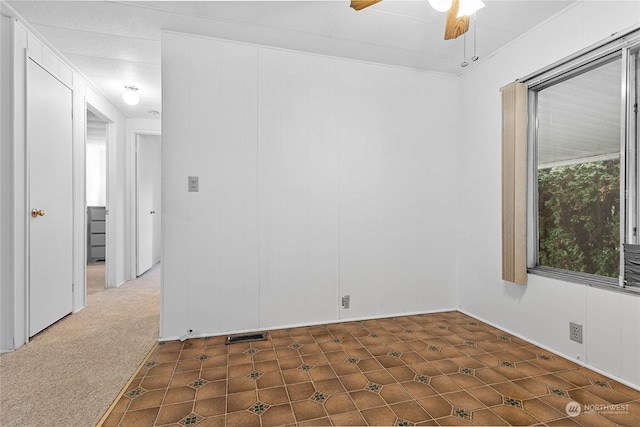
{"x": 541, "y": 310}
{"x": 96, "y": 170}
{"x": 118, "y": 205}
{"x": 318, "y": 177}
{"x": 6, "y": 194}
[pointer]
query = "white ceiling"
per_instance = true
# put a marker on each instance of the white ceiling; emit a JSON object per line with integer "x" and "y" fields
{"x": 118, "y": 43}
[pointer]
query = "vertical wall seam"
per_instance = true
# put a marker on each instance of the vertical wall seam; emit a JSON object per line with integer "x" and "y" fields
{"x": 339, "y": 198}
{"x": 258, "y": 207}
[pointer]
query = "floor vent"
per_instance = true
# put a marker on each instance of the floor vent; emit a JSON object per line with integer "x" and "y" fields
{"x": 246, "y": 338}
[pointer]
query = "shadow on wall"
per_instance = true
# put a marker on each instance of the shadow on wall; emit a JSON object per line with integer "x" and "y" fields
{"x": 514, "y": 291}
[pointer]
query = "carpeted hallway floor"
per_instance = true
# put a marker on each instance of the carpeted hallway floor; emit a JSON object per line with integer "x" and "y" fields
{"x": 95, "y": 277}
{"x": 69, "y": 374}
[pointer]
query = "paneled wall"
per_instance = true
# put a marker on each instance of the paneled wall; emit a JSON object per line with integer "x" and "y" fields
{"x": 318, "y": 177}
{"x": 541, "y": 310}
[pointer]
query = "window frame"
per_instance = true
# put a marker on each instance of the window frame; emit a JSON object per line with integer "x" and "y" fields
{"x": 624, "y": 46}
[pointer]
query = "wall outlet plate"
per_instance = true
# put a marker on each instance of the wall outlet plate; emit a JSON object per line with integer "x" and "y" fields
{"x": 346, "y": 301}
{"x": 575, "y": 332}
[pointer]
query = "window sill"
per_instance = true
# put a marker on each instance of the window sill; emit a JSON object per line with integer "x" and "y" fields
{"x": 600, "y": 282}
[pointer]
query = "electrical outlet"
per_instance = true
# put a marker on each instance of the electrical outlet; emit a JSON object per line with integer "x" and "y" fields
{"x": 346, "y": 301}
{"x": 187, "y": 335}
{"x": 575, "y": 332}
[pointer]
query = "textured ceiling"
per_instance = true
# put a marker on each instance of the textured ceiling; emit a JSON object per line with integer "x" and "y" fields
{"x": 118, "y": 43}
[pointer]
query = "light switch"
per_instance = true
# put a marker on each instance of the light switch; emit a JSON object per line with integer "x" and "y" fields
{"x": 193, "y": 184}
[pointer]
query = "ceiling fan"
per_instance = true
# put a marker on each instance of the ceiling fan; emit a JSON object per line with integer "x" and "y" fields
{"x": 458, "y": 12}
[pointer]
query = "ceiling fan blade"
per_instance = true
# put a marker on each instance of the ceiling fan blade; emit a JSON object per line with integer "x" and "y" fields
{"x": 361, "y": 4}
{"x": 455, "y": 27}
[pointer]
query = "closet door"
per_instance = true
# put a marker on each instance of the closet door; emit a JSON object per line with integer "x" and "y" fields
{"x": 148, "y": 163}
{"x": 49, "y": 135}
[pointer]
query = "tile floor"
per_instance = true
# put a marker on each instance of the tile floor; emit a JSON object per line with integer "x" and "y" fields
{"x": 433, "y": 369}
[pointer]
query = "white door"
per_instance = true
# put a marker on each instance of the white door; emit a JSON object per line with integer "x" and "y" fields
{"x": 49, "y": 133}
{"x": 148, "y": 162}
{"x": 157, "y": 197}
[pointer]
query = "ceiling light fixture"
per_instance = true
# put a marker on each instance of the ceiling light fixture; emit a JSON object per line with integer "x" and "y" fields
{"x": 458, "y": 12}
{"x": 441, "y": 5}
{"x": 130, "y": 95}
{"x": 469, "y": 7}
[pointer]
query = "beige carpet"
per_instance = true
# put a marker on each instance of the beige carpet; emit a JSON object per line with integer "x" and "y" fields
{"x": 95, "y": 277}
{"x": 69, "y": 374}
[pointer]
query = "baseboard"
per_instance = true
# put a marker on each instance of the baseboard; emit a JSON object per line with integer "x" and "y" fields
{"x": 556, "y": 352}
{"x": 305, "y": 325}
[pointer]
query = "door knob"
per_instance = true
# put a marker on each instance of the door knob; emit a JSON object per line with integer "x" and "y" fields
{"x": 36, "y": 213}
{"x": 153, "y": 212}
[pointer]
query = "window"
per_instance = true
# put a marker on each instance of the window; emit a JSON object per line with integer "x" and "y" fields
{"x": 583, "y": 159}
{"x": 578, "y": 170}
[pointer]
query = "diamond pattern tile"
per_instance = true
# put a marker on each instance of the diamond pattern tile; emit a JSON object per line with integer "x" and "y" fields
{"x": 431, "y": 369}
{"x": 319, "y": 397}
{"x": 254, "y": 375}
{"x": 422, "y": 379}
{"x": 198, "y": 383}
{"x": 461, "y": 413}
{"x": 258, "y": 408}
{"x": 305, "y": 367}
{"x": 136, "y": 392}
{"x": 513, "y": 402}
{"x": 190, "y": 420}
{"x": 373, "y": 387}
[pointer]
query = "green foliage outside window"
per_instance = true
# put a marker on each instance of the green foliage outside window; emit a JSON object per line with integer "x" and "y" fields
{"x": 579, "y": 217}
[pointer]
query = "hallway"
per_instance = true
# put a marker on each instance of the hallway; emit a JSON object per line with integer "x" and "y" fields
{"x": 70, "y": 373}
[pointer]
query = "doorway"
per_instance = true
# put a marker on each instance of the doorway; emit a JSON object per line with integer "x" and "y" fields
{"x": 96, "y": 202}
{"x": 148, "y": 201}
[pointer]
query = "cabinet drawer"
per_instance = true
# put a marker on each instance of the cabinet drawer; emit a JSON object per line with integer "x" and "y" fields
{"x": 97, "y": 239}
{"x": 96, "y": 213}
{"x": 97, "y": 226}
{"x": 97, "y": 252}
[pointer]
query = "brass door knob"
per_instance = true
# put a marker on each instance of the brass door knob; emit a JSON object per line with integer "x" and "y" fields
{"x": 37, "y": 212}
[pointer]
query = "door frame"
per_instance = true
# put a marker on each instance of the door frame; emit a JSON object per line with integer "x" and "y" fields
{"x": 133, "y": 167}
{"x": 108, "y": 260}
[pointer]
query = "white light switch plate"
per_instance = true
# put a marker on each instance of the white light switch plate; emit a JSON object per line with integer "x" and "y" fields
{"x": 193, "y": 184}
